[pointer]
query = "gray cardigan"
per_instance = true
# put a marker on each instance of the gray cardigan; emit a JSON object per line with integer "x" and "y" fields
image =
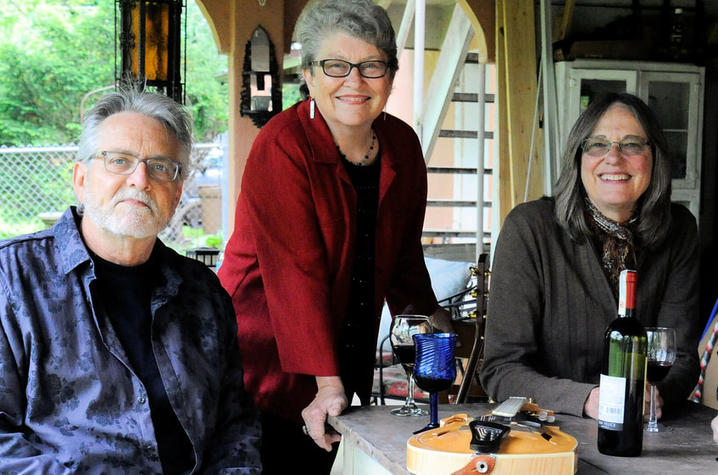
{"x": 550, "y": 304}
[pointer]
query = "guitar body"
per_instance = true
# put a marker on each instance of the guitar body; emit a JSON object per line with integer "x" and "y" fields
{"x": 446, "y": 450}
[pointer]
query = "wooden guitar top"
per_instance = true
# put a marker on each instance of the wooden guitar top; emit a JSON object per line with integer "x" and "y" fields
{"x": 446, "y": 450}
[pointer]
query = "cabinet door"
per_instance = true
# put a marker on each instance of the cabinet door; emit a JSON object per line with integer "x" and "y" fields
{"x": 583, "y": 86}
{"x": 674, "y": 97}
{"x": 586, "y": 84}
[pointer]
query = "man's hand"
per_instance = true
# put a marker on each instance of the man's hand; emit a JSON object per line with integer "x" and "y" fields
{"x": 590, "y": 407}
{"x": 329, "y": 400}
{"x": 441, "y": 319}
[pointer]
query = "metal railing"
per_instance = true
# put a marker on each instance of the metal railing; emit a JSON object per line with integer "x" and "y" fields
{"x": 36, "y": 187}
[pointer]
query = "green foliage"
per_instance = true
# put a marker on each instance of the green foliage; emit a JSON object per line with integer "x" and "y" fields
{"x": 290, "y": 95}
{"x": 53, "y": 52}
{"x": 206, "y": 94}
{"x": 10, "y": 229}
{"x": 215, "y": 240}
{"x": 197, "y": 238}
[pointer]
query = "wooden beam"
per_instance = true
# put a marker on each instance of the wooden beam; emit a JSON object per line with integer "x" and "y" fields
{"x": 502, "y": 144}
{"x": 565, "y": 21}
{"x": 519, "y": 40}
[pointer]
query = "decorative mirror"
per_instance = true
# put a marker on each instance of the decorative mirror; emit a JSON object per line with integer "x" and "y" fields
{"x": 261, "y": 97}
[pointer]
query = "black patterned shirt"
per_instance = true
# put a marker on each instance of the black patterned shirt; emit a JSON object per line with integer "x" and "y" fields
{"x": 69, "y": 402}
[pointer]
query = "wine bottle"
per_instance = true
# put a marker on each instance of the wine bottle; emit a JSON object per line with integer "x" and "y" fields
{"x": 621, "y": 403}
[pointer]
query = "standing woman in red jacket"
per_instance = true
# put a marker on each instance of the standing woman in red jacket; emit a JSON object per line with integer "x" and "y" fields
{"x": 328, "y": 226}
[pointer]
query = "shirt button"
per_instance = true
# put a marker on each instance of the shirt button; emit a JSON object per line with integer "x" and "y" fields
{"x": 141, "y": 399}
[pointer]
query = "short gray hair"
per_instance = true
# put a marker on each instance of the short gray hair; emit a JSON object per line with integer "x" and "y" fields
{"x": 654, "y": 206}
{"x": 175, "y": 118}
{"x": 358, "y": 18}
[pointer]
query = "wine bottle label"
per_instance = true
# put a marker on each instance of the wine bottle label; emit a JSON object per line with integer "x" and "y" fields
{"x": 611, "y": 402}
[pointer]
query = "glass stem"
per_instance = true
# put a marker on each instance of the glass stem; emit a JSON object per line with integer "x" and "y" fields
{"x": 410, "y": 391}
{"x": 652, "y": 406}
{"x": 434, "y": 409}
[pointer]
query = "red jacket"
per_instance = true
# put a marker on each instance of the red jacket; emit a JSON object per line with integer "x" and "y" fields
{"x": 288, "y": 263}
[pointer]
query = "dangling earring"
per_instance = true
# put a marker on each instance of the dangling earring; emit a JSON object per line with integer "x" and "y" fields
{"x": 311, "y": 108}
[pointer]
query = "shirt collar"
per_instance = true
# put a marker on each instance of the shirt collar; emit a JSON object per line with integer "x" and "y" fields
{"x": 68, "y": 240}
{"x": 73, "y": 252}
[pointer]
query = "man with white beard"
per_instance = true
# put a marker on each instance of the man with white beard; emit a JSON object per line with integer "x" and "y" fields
{"x": 117, "y": 355}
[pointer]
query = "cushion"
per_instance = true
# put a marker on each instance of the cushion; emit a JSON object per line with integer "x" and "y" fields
{"x": 447, "y": 279}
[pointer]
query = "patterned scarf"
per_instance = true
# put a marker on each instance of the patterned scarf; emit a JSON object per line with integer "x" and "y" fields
{"x": 616, "y": 243}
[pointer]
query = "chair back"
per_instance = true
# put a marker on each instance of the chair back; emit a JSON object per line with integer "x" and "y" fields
{"x": 469, "y": 319}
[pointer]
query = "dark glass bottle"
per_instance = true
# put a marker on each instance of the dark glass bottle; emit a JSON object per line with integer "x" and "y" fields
{"x": 620, "y": 407}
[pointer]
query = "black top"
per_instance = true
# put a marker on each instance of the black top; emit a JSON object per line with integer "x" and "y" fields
{"x": 125, "y": 293}
{"x": 359, "y": 324}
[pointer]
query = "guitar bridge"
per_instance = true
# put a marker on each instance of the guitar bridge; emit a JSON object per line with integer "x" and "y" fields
{"x": 486, "y": 436}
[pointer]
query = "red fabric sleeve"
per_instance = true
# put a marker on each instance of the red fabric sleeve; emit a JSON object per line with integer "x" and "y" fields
{"x": 292, "y": 259}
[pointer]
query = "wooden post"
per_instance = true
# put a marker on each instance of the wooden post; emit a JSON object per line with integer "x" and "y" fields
{"x": 516, "y": 61}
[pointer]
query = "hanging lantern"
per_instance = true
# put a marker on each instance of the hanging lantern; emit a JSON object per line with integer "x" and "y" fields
{"x": 150, "y": 38}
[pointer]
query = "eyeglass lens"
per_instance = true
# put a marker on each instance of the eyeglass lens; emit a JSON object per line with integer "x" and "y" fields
{"x": 339, "y": 68}
{"x": 160, "y": 169}
{"x": 600, "y": 147}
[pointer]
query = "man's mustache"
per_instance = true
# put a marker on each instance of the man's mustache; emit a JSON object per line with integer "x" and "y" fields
{"x": 136, "y": 195}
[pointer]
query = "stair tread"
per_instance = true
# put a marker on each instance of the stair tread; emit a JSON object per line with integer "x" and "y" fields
{"x": 472, "y": 97}
{"x": 458, "y": 170}
{"x": 464, "y": 134}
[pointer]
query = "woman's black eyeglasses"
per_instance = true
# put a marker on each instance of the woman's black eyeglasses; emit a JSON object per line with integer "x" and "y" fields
{"x": 338, "y": 68}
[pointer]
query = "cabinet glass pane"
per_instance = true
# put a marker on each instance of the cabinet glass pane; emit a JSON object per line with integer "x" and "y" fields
{"x": 677, "y": 144}
{"x": 670, "y": 101}
{"x": 592, "y": 88}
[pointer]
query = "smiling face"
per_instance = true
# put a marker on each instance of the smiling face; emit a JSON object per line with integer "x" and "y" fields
{"x": 133, "y": 205}
{"x": 351, "y": 103}
{"x": 616, "y": 181}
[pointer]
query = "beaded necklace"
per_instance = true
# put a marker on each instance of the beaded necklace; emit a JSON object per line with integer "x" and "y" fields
{"x": 366, "y": 156}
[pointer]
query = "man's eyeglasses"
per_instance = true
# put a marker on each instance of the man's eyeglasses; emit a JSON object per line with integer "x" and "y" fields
{"x": 160, "y": 169}
{"x": 338, "y": 68}
{"x": 598, "y": 147}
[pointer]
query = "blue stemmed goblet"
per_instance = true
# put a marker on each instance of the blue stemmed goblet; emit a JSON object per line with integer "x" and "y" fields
{"x": 403, "y": 328}
{"x": 435, "y": 368}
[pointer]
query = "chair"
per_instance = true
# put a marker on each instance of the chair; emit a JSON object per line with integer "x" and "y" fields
{"x": 468, "y": 311}
{"x": 469, "y": 318}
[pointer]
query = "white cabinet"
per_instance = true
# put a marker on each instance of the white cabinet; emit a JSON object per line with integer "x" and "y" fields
{"x": 674, "y": 92}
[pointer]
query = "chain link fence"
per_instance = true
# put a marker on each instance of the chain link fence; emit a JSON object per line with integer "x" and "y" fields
{"x": 36, "y": 187}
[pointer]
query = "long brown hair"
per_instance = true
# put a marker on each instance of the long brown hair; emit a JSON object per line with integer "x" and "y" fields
{"x": 654, "y": 206}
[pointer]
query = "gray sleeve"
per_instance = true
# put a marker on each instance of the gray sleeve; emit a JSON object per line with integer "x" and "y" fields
{"x": 679, "y": 309}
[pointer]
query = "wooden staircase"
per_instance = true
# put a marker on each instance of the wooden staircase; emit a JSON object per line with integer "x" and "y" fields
{"x": 457, "y": 96}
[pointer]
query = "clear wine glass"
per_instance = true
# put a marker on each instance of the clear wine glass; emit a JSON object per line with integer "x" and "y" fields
{"x": 403, "y": 328}
{"x": 435, "y": 368}
{"x": 661, "y": 354}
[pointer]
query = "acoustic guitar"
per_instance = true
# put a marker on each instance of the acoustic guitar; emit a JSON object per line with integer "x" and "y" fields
{"x": 522, "y": 450}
